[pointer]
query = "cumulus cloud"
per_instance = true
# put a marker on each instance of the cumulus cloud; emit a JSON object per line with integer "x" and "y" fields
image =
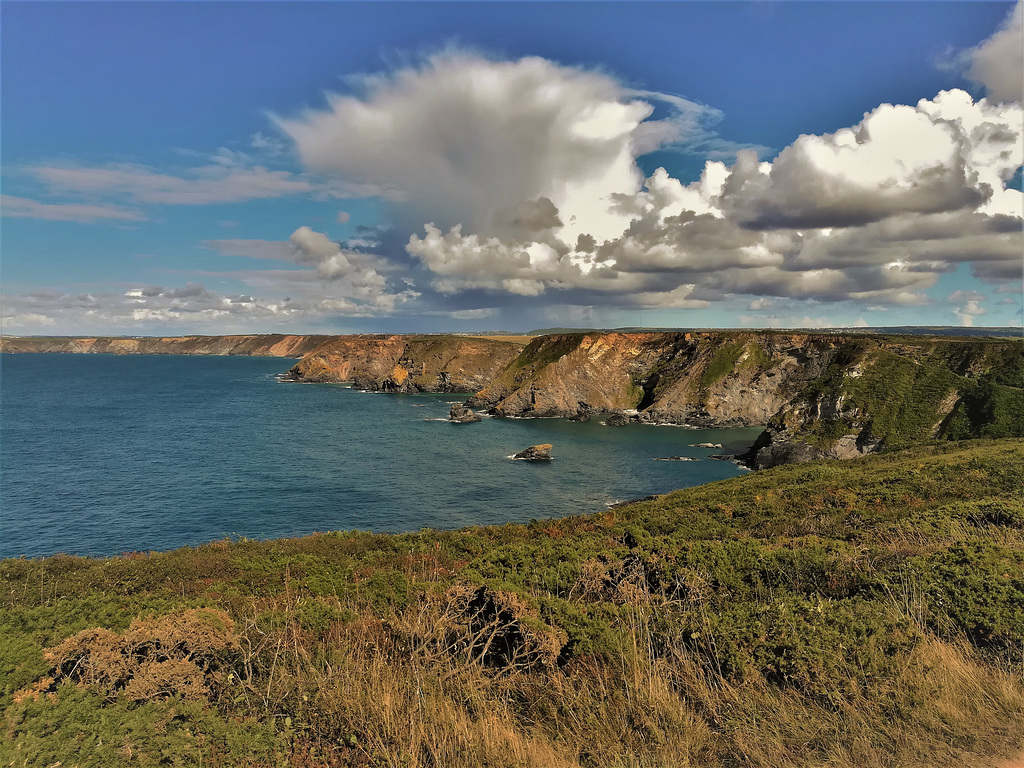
{"x": 464, "y": 139}
{"x": 349, "y": 273}
{"x": 970, "y": 306}
{"x": 26, "y": 321}
{"x": 874, "y": 212}
{"x": 998, "y": 63}
{"x": 947, "y": 154}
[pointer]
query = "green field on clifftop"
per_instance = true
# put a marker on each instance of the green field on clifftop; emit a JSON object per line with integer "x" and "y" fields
{"x": 863, "y": 613}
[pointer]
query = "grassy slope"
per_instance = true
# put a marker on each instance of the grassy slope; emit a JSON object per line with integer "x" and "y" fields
{"x": 863, "y": 613}
{"x": 901, "y": 394}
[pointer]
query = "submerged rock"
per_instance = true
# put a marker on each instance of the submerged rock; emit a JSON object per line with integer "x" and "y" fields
{"x": 460, "y": 414}
{"x": 706, "y": 445}
{"x": 540, "y": 452}
{"x": 677, "y": 458}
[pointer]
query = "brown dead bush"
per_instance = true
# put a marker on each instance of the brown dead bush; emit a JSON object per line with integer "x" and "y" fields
{"x": 497, "y": 629}
{"x": 179, "y": 654}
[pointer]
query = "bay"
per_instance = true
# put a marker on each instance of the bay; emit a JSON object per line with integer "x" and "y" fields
{"x": 103, "y": 454}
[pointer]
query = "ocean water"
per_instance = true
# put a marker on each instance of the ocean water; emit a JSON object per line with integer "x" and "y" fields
{"x": 102, "y": 454}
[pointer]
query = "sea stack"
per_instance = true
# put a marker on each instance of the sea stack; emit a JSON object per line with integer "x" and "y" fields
{"x": 460, "y": 414}
{"x": 540, "y": 452}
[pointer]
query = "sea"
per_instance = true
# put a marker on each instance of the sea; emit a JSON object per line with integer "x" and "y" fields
{"x": 102, "y": 455}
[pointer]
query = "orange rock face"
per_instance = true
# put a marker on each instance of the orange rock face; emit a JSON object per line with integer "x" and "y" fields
{"x": 408, "y": 363}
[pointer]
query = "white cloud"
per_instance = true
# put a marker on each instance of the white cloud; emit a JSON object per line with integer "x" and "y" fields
{"x": 468, "y": 140}
{"x": 810, "y": 322}
{"x": 677, "y": 298}
{"x": 349, "y": 273}
{"x": 26, "y": 321}
{"x": 947, "y": 154}
{"x": 188, "y": 309}
{"x": 20, "y": 207}
{"x": 998, "y": 62}
{"x": 970, "y": 308}
{"x": 872, "y": 213}
{"x": 962, "y": 295}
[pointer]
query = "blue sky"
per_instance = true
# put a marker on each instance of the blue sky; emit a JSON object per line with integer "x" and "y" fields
{"x": 179, "y": 167}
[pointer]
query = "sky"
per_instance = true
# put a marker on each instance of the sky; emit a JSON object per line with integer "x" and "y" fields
{"x": 348, "y": 167}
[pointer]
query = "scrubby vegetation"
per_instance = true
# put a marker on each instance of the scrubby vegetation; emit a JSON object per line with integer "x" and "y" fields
{"x": 864, "y": 613}
{"x": 913, "y": 391}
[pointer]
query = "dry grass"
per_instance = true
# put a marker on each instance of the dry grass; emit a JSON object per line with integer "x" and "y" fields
{"x": 666, "y": 634}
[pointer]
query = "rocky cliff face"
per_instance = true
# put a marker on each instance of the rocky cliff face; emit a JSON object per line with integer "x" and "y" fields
{"x": 271, "y": 345}
{"x": 407, "y": 363}
{"x": 819, "y": 395}
{"x": 692, "y": 378}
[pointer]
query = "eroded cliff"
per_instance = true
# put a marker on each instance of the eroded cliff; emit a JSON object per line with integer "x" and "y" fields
{"x": 408, "y": 363}
{"x": 685, "y": 378}
{"x": 819, "y": 395}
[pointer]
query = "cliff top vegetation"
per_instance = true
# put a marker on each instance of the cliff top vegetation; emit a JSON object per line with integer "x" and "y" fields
{"x": 863, "y": 613}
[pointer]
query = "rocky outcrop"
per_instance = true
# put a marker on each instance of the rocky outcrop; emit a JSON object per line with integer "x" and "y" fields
{"x": 269, "y": 345}
{"x": 820, "y": 395}
{"x": 408, "y": 363}
{"x": 540, "y": 452}
{"x": 460, "y": 414}
{"x": 703, "y": 379}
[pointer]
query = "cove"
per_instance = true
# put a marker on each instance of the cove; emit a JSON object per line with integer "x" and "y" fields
{"x": 106, "y": 454}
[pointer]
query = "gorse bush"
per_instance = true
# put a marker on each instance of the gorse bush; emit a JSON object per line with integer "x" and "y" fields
{"x": 865, "y": 613}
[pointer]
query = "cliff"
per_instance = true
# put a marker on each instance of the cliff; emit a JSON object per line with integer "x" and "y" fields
{"x": 820, "y": 395}
{"x": 407, "y": 363}
{"x": 267, "y": 345}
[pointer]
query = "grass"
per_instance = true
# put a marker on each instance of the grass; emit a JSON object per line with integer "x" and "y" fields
{"x": 904, "y": 392}
{"x": 865, "y": 613}
{"x": 722, "y": 362}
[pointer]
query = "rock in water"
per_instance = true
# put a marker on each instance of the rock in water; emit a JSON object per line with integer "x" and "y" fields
{"x": 460, "y": 414}
{"x": 617, "y": 419}
{"x": 540, "y": 452}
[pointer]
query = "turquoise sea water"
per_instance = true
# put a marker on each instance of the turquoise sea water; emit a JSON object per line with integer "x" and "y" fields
{"x": 103, "y": 454}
